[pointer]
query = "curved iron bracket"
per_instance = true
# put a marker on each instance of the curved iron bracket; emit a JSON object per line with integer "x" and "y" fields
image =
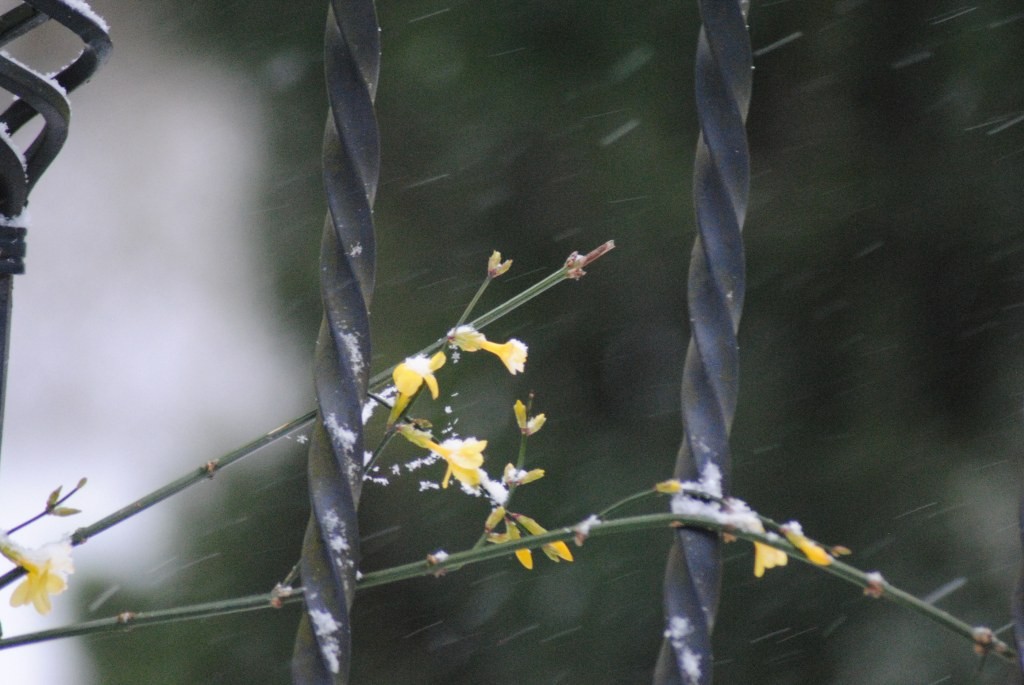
{"x": 37, "y": 96}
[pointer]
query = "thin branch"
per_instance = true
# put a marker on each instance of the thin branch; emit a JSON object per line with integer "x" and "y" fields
{"x": 127, "y": 620}
{"x": 983, "y": 639}
{"x": 204, "y": 472}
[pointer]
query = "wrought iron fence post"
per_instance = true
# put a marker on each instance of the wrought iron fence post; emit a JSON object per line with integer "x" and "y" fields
{"x": 715, "y": 298}
{"x": 330, "y": 551}
{"x": 45, "y": 97}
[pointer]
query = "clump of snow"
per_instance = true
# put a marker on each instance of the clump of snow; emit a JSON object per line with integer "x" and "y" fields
{"x": 732, "y": 513}
{"x": 793, "y": 527}
{"x": 415, "y": 464}
{"x": 428, "y": 485}
{"x": 469, "y": 489}
{"x": 325, "y": 627}
{"x": 691, "y": 666}
{"x": 439, "y": 556}
{"x": 335, "y": 529}
{"x": 342, "y": 434}
{"x": 582, "y": 529}
{"x": 20, "y": 221}
{"x": 678, "y": 628}
{"x": 355, "y": 354}
{"x": 372, "y": 476}
{"x": 83, "y": 8}
{"x": 495, "y": 490}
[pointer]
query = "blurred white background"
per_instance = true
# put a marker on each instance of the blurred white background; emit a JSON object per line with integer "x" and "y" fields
{"x": 138, "y": 328}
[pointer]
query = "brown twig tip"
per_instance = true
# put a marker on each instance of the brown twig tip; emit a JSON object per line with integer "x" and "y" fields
{"x": 575, "y": 263}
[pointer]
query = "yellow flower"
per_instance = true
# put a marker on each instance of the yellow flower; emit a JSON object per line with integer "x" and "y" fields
{"x": 766, "y": 557}
{"x": 464, "y": 459}
{"x": 48, "y": 568}
{"x": 420, "y": 438}
{"x": 494, "y": 519}
{"x": 524, "y": 556}
{"x": 514, "y": 476}
{"x": 512, "y": 353}
{"x": 555, "y": 551}
{"x": 669, "y": 487}
{"x": 814, "y": 553}
{"x": 496, "y": 267}
{"x": 409, "y": 377}
{"x": 527, "y": 426}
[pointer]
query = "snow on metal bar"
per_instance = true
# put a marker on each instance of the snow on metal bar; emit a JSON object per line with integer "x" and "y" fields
{"x": 715, "y": 298}
{"x": 330, "y": 551}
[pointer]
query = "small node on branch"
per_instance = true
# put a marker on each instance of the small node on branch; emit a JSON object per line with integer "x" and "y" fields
{"x": 125, "y": 617}
{"x": 876, "y": 585}
{"x": 436, "y": 558}
{"x": 279, "y": 592}
{"x": 582, "y": 529}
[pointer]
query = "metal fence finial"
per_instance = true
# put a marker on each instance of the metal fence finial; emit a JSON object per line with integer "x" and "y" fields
{"x": 40, "y": 96}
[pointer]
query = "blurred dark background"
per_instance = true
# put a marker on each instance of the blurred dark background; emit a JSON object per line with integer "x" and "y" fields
{"x": 881, "y": 364}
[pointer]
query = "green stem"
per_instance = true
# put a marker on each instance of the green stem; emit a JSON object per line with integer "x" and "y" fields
{"x": 127, "y": 620}
{"x": 635, "y": 497}
{"x": 472, "y": 303}
{"x": 380, "y": 379}
{"x": 635, "y": 524}
{"x": 632, "y": 524}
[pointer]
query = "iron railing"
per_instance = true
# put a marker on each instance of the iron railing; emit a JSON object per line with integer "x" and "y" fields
{"x": 38, "y": 97}
{"x": 715, "y": 298}
{"x": 330, "y": 551}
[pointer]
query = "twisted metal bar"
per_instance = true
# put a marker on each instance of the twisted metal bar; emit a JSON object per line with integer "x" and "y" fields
{"x": 46, "y": 97}
{"x": 330, "y": 550}
{"x": 1017, "y": 602}
{"x": 715, "y": 298}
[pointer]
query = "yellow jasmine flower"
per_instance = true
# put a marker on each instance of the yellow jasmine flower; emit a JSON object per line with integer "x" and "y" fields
{"x": 420, "y": 438}
{"x": 527, "y": 426}
{"x": 464, "y": 457}
{"x": 409, "y": 377}
{"x": 814, "y": 553}
{"x": 48, "y": 568}
{"x": 555, "y": 551}
{"x": 524, "y": 556}
{"x": 766, "y": 556}
{"x": 494, "y": 519}
{"x": 669, "y": 487}
{"x": 514, "y": 476}
{"x": 512, "y": 353}
{"x": 496, "y": 267}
